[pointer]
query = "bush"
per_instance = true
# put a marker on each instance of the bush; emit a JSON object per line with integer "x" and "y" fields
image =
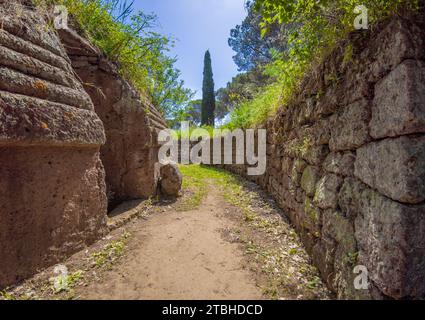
{"x": 130, "y": 40}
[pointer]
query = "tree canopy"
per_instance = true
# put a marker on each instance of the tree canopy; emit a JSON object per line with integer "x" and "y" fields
{"x": 252, "y": 49}
{"x": 208, "y": 93}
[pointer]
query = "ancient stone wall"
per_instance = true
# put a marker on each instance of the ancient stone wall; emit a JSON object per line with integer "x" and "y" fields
{"x": 346, "y": 160}
{"x": 131, "y": 123}
{"x": 52, "y": 190}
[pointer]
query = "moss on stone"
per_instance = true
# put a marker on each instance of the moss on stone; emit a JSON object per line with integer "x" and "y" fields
{"x": 309, "y": 180}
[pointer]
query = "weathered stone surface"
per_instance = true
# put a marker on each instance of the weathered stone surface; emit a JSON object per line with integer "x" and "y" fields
{"x": 31, "y": 121}
{"x": 338, "y": 227}
{"x": 328, "y": 104}
{"x": 299, "y": 165}
{"x": 315, "y": 155}
{"x": 317, "y": 133}
{"x": 309, "y": 180}
{"x": 350, "y": 127}
{"x": 52, "y": 188}
{"x": 131, "y": 123}
{"x": 20, "y": 83}
{"x": 274, "y": 161}
{"x": 21, "y": 46}
{"x": 305, "y": 111}
{"x": 391, "y": 242}
{"x": 78, "y": 47}
{"x": 23, "y": 21}
{"x": 297, "y": 171}
{"x": 323, "y": 255}
{"x": 347, "y": 198}
{"x": 295, "y": 180}
{"x": 401, "y": 39}
{"x": 341, "y": 163}
{"x": 399, "y": 105}
{"x": 287, "y": 164}
{"x": 294, "y": 148}
{"x": 311, "y": 217}
{"x": 395, "y": 167}
{"x": 327, "y": 190}
{"x": 52, "y": 204}
{"x": 28, "y": 65}
{"x": 322, "y": 132}
{"x": 344, "y": 276}
{"x": 390, "y": 239}
{"x": 171, "y": 180}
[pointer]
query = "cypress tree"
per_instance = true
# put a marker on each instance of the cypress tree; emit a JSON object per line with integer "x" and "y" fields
{"x": 208, "y": 94}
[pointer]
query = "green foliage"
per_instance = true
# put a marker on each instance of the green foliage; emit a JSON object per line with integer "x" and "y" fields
{"x": 319, "y": 26}
{"x": 130, "y": 40}
{"x": 65, "y": 283}
{"x": 111, "y": 252}
{"x": 194, "y": 184}
{"x": 193, "y": 113}
{"x": 253, "y": 50}
{"x": 243, "y": 87}
{"x": 7, "y": 296}
{"x": 208, "y": 93}
{"x": 252, "y": 112}
{"x": 352, "y": 258}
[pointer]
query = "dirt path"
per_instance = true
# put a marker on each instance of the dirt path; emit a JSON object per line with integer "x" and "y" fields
{"x": 180, "y": 255}
{"x": 223, "y": 239}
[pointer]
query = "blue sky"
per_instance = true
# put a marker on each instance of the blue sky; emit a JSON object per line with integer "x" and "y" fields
{"x": 198, "y": 25}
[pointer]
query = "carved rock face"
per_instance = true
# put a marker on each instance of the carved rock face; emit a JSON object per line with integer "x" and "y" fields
{"x": 52, "y": 189}
{"x": 131, "y": 123}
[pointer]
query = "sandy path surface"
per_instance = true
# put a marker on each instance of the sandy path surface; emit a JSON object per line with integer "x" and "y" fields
{"x": 180, "y": 255}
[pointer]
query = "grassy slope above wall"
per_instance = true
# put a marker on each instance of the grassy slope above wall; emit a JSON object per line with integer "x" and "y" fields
{"x": 321, "y": 29}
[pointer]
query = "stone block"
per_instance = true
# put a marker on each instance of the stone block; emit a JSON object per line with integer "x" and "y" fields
{"x": 309, "y": 179}
{"x": 327, "y": 190}
{"x": 395, "y": 167}
{"x": 340, "y": 228}
{"x": 315, "y": 155}
{"x": 311, "y": 217}
{"x": 399, "y": 104}
{"x": 390, "y": 239}
{"x": 341, "y": 163}
{"x": 350, "y": 126}
{"x": 391, "y": 243}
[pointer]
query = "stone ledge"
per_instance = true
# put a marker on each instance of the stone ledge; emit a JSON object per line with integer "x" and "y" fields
{"x": 30, "y": 25}
{"x": 34, "y": 67}
{"x": 20, "y": 83}
{"x": 19, "y": 45}
{"x": 31, "y": 121}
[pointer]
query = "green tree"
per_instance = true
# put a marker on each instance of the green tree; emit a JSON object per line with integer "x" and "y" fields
{"x": 252, "y": 49}
{"x": 208, "y": 94}
{"x": 194, "y": 111}
{"x": 243, "y": 87}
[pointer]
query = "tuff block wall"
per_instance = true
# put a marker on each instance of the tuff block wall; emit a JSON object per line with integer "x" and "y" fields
{"x": 346, "y": 161}
{"x": 132, "y": 123}
{"x": 52, "y": 190}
